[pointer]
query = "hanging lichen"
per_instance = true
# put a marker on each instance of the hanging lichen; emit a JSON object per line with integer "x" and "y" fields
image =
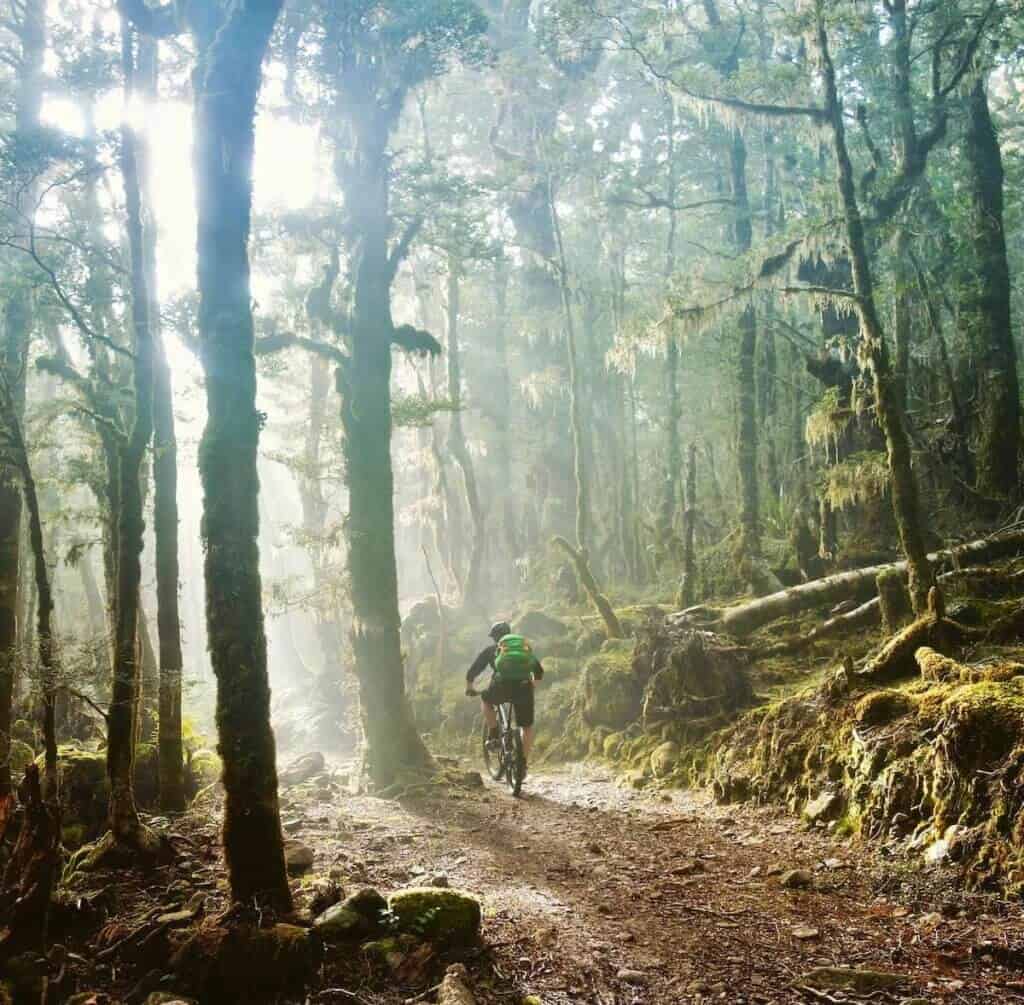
{"x": 858, "y": 478}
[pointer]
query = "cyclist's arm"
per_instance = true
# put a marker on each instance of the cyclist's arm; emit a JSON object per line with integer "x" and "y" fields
{"x": 538, "y": 670}
{"x": 480, "y": 664}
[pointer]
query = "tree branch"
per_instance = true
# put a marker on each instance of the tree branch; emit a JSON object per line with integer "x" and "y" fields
{"x": 401, "y": 249}
{"x": 275, "y": 343}
{"x": 157, "y": 22}
{"x": 415, "y": 340}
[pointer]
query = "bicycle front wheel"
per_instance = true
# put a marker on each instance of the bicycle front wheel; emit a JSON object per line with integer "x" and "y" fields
{"x": 493, "y": 760}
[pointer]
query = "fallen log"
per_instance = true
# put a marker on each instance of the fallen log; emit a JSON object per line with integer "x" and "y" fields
{"x": 857, "y": 584}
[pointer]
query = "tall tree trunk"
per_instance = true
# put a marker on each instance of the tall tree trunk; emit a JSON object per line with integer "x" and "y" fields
{"x": 472, "y": 591}
{"x": 985, "y": 305}
{"x": 170, "y": 747}
{"x": 503, "y": 407}
{"x": 30, "y": 28}
{"x": 905, "y": 500}
{"x": 125, "y": 825}
{"x": 580, "y": 473}
{"x": 392, "y": 744}
{"x": 750, "y": 525}
{"x": 229, "y": 75}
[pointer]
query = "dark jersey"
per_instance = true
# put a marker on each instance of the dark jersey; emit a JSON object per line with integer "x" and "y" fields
{"x": 486, "y": 659}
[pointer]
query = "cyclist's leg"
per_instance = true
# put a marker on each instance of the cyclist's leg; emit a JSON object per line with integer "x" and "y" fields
{"x": 523, "y": 702}
{"x": 489, "y": 699}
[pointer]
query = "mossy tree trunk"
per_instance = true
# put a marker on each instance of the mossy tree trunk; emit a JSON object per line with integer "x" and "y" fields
{"x": 985, "y": 305}
{"x": 688, "y": 583}
{"x": 170, "y": 747}
{"x": 125, "y": 825}
{"x": 29, "y": 26}
{"x": 503, "y": 407}
{"x": 891, "y": 418}
{"x": 228, "y": 78}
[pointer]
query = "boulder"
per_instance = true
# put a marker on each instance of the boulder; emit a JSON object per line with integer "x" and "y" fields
{"x": 356, "y": 917}
{"x": 538, "y": 625}
{"x": 302, "y": 769}
{"x": 664, "y": 758}
{"x": 298, "y": 857}
{"x": 609, "y": 694}
{"x": 827, "y": 806}
{"x": 447, "y": 917}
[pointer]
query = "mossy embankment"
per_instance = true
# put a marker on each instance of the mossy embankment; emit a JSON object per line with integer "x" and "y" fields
{"x": 928, "y": 759}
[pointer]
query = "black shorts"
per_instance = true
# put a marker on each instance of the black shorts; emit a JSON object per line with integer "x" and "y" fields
{"x": 520, "y": 693}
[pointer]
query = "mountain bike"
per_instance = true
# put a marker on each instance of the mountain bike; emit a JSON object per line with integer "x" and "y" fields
{"x": 504, "y": 757}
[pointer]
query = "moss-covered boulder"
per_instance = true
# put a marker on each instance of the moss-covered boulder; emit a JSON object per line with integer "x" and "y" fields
{"x": 448, "y": 917}
{"x": 609, "y": 693}
{"x": 612, "y": 745}
{"x": 360, "y": 915}
{"x": 205, "y": 768}
{"x": 539, "y": 625}
{"x": 664, "y": 759}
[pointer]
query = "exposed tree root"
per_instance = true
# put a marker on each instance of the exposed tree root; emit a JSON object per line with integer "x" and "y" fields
{"x": 31, "y": 873}
{"x": 934, "y": 630}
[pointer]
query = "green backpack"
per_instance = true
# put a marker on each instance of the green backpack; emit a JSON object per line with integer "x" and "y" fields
{"x": 514, "y": 659}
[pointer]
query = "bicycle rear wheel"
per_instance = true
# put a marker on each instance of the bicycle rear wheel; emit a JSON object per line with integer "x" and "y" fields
{"x": 515, "y": 772}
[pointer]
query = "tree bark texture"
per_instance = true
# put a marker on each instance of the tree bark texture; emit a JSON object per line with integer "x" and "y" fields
{"x": 30, "y": 30}
{"x": 228, "y": 78}
{"x": 891, "y": 417}
{"x": 985, "y": 306}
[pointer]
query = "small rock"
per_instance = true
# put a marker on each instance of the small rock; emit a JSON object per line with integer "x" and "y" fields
{"x": 356, "y": 916}
{"x": 454, "y": 988}
{"x": 825, "y": 807}
{"x": 804, "y": 932}
{"x": 439, "y": 879}
{"x": 636, "y": 977}
{"x": 796, "y": 879}
{"x": 298, "y": 857}
{"x": 863, "y": 982}
{"x": 167, "y": 998}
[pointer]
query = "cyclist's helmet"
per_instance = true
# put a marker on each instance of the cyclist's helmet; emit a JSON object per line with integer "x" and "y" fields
{"x": 499, "y": 630}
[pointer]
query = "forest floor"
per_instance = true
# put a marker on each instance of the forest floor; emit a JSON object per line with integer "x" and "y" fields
{"x": 594, "y": 893}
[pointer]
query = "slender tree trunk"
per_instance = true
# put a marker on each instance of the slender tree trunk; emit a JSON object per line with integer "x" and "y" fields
{"x": 125, "y": 825}
{"x": 985, "y": 305}
{"x": 229, "y": 76}
{"x": 503, "y": 407}
{"x": 688, "y": 584}
{"x": 902, "y": 322}
{"x": 171, "y": 756}
{"x": 905, "y": 500}
{"x": 472, "y": 592}
{"x": 575, "y": 390}
{"x": 30, "y": 29}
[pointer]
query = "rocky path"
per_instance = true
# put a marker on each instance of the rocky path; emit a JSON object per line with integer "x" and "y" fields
{"x": 598, "y": 894}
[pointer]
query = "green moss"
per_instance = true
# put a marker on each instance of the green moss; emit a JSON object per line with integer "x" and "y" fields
{"x": 609, "y": 693}
{"x": 21, "y": 756}
{"x": 882, "y": 707}
{"x": 612, "y": 745}
{"x": 451, "y": 917}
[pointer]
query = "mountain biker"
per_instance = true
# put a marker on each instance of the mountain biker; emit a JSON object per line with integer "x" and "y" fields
{"x": 519, "y": 691}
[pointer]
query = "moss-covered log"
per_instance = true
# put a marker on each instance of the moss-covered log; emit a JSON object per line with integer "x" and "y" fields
{"x": 855, "y": 584}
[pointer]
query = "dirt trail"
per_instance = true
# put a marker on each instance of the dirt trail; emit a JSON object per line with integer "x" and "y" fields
{"x": 598, "y": 894}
